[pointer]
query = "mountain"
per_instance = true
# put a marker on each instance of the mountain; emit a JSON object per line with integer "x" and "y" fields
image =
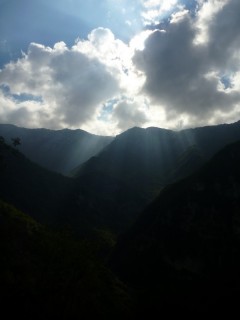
{"x": 46, "y": 274}
{"x": 56, "y": 150}
{"x": 180, "y": 256}
{"x": 183, "y": 253}
{"x": 84, "y": 204}
{"x": 31, "y": 188}
{"x": 113, "y": 187}
{"x": 149, "y": 159}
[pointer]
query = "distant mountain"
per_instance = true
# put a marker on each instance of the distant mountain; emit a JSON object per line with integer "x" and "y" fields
{"x": 111, "y": 188}
{"x": 56, "y": 150}
{"x": 183, "y": 253}
{"x": 149, "y": 159}
{"x": 84, "y": 204}
{"x": 31, "y": 188}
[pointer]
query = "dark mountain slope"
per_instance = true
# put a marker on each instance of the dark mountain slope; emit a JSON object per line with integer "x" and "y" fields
{"x": 84, "y": 204}
{"x": 184, "y": 251}
{"x": 46, "y": 274}
{"x": 141, "y": 158}
{"x": 188, "y": 162}
{"x": 33, "y": 189}
{"x": 148, "y": 159}
{"x": 60, "y": 150}
{"x": 211, "y": 139}
{"x": 110, "y": 201}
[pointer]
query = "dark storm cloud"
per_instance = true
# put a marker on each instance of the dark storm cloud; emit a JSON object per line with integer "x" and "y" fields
{"x": 224, "y": 36}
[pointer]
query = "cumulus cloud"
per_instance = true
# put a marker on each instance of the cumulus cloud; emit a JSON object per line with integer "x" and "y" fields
{"x": 205, "y": 18}
{"x": 186, "y": 69}
{"x": 153, "y": 10}
{"x": 128, "y": 114}
{"x": 184, "y": 77}
{"x": 71, "y": 84}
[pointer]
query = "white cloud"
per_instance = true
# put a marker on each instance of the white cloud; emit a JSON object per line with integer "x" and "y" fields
{"x": 178, "y": 16}
{"x": 71, "y": 85}
{"x": 127, "y": 113}
{"x": 138, "y": 41}
{"x": 185, "y": 79}
{"x": 189, "y": 73}
{"x": 154, "y": 10}
{"x": 205, "y": 17}
{"x": 72, "y": 82}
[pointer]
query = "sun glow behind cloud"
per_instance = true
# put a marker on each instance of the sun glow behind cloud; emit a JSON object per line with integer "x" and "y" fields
{"x": 180, "y": 62}
{"x": 155, "y": 10}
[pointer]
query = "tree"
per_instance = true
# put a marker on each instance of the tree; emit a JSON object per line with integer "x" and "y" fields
{"x": 16, "y": 141}
{"x": 2, "y": 140}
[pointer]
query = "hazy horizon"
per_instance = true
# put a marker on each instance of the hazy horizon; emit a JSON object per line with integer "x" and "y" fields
{"x": 92, "y": 133}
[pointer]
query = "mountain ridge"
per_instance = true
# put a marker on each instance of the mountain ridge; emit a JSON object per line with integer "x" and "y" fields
{"x": 149, "y": 159}
{"x": 57, "y": 150}
{"x": 85, "y": 204}
{"x": 179, "y": 254}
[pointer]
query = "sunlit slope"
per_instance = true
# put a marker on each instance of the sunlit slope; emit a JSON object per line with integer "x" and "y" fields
{"x": 56, "y": 150}
{"x": 148, "y": 159}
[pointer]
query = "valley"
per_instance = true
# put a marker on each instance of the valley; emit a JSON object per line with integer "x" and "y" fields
{"x": 149, "y": 221}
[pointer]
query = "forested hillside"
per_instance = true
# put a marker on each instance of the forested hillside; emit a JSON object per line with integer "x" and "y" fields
{"x": 184, "y": 250}
{"x": 89, "y": 245}
{"x": 46, "y": 273}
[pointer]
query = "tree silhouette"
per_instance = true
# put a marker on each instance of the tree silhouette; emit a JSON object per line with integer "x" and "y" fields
{"x": 2, "y": 140}
{"x": 16, "y": 141}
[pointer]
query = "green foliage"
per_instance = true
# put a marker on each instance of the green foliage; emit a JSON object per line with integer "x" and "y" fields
{"x": 52, "y": 274}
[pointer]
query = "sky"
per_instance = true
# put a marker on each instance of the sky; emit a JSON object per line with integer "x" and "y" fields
{"x": 108, "y": 65}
